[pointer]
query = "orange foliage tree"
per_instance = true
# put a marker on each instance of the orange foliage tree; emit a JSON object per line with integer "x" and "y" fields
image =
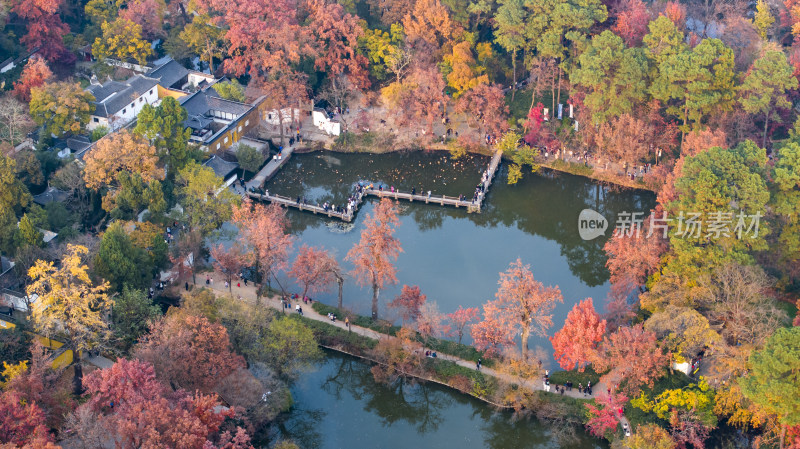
{"x": 429, "y": 22}
{"x": 230, "y": 261}
{"x": 576, "y": 343}
{"x": 264, "y": 229}
{"x": 35, "y": 73}
{"x": 374, "y": 255}
{"x": 485, "y": 108}
{"x": 264, "y": 35}
{"x": 189, "y": 351}
{"x": 315, "y": 269}
{"x": 632, "y": 357}
{"x": 676, "y": 13}
{"x": 121, "y": 151}
{"x": 460, "y": 319}
{"x": 337, "y": 33}
{"x": 147, "y": 13}
{"x": 408, "y": 303}
{"x": 523, "y": 305}
{"x": 632, "y": 258}
{"x": 426, "y": 98}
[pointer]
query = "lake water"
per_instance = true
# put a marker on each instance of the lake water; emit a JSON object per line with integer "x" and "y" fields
{"x": 456, "y": 257}
{"x": 341, "y": 406}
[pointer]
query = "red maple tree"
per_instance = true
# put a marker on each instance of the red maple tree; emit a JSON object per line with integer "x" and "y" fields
{"x": 374, "y": 255}
{"x": 189, "y": 351}
{"x": 408, "y": 303}
{"x": 45, "y": 29}
{"x": 632, "y": 20}
{"x": 21, "y": 422}
{"x": 315, "y": 269}
{"x": 130, "y": 402}
{"x": 605, "y": 418}
{"x": 576, "y": 343}
{"x": 35, "y": 73}
{"x": 632, "y": 357}
{"x": 460, "y": 319}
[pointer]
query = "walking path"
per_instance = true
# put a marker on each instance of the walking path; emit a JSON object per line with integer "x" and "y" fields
{"x": 249, "y": 293}
{"x": 268, "y": 171}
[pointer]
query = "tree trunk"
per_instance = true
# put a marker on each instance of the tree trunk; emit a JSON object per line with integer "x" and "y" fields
{"x": 683, "y": 128}
{"x": 514, "y": 65}
{"x": 526, "y": 333}
{"x": 280, "y": 125}
{"x": 553, "y": 88}
{"x": 375, "y": 291}
{"x": 210, "y": 56}
{"x": 77, "y": 379}
{"x": 783, "y": 435}
{"x": 558, "y": 100}
{"x": 766, "y": 126}
{"x": 340, "y": 281}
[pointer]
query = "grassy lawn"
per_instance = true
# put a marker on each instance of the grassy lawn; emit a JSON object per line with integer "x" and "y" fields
{"x": 518, "y": 108}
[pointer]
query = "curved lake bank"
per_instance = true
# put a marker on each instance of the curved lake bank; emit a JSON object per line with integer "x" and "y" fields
{"x": 455, "y": 257}
{"x": 340, "y": 405}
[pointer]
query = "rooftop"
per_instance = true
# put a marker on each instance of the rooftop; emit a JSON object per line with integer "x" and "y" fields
{"x": 113, "y": 96}
{"x": 221, "y": 167}
{"x": 50, "y": 195}
{"x": 204, "y": 102}
{"x": 169, "y": 73}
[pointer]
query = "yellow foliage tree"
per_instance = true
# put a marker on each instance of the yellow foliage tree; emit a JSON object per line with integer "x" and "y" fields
{"x": 69, "y": 305}
{"x": 11, "y": 371}
{"x": 121, "y": 151}
{"x": 465, "y": 72}
{"x": 741, "y": 412}
{"x": 61, "y": 107}
{"x": 122, "y": 39}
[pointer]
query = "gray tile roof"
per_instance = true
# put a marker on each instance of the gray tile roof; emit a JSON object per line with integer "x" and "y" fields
{"x": 169, "y": 73}
{"x": 204, "y": 103}
{"x": 50, "y": 195}
{"x": 221, "y": 167}
{"x": 113, "y": 96}
{"x": 78, "y": 145}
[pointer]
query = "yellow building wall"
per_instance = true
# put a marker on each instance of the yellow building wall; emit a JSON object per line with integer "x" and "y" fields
{"x": 165, "y": 92}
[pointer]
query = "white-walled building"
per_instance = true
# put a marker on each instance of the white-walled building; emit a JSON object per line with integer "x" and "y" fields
{"x": 117, "y": 103}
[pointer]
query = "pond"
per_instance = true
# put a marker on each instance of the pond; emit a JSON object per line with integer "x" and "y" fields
{"x": 453, "y": 256}
{"x": 339, "y": 405}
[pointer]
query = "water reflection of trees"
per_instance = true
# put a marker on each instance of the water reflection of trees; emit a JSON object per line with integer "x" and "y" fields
{"x": 301, "y": 425}
{"x": 419, "y": 405}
